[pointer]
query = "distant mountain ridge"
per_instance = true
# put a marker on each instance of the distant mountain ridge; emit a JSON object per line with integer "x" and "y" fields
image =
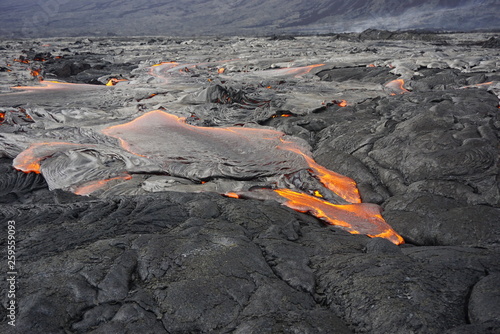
{"x": 44, "y": 18}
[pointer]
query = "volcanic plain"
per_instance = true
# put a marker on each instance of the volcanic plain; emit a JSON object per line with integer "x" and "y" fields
{"x": 346, "y": 183}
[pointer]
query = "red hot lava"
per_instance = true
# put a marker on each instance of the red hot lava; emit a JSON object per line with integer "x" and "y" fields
{"x": 212, "y": 143}
{"x": 396, "y": 87}
{"x": 340, "y": 103}
{"x": 29, "y": 160}
{"x": 479, "y": 85}
{"x": 356, "y": 218}
{"x": 114, "y": 81}
{"x": 289, "y": 71}
{"x": 22, "y": 60}
{"x": 185, "y": 149}
{"x": 361, "y": 218}
{"x": 55, "y": 86}
{"x": 92, "y": 186}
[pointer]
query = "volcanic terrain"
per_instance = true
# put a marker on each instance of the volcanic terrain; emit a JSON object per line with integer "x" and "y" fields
{"x": 344, "y": 183}
{"x": 42, "y": 18}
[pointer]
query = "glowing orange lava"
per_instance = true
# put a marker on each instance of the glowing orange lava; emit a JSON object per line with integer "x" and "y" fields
{"x": 307, "y": 69}
{"x": 35, "y": 72}
{"x": 396, "y": 87}
{"x": 28, "y": 161}
{"x": 342, "y": 185}
{"x": 114, "y": 81}
{"x": 341, "y": 103}
{"x": 281, "y": 115}
{"x": 55, "y": 85}
{"x": 484, "y": 84}
{"x": 296, "y": 71}
{"x": 166, "y": 71}
{"x": 93, "y": 186}
{"x": 362, "y": 218}
{"x": 156, "y": 69}
{"x": 150, "y": 96}
{"x": 140, "y": 135}
{"x": 166, "y": 62}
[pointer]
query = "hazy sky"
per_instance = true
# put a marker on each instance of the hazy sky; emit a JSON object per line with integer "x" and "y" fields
{"x": 25, "y": 18}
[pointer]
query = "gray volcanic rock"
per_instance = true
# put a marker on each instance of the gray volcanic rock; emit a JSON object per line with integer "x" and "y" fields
{"x": 14, "y": 185}
{"x": 439, "y": 153}
{"x": 371, "y": 74}
{"x": 145, "y": 262}
{"x": 407, "y": 285}
{"x": 484, "y": 305}
{"x": 163, "y": 269}
{"x": 445, "y": 221}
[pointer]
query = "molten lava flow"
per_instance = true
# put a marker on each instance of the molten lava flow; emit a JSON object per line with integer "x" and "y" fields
{"x": 199, "y": 153}
{"x": 93, "y": 186}
{"x": 283, "y": 114}
{"x": 173, "y": 63}
{"x": 55, "y": 85}
{"x": 342, "y": 185}
{"x": 290, "y": 71}
{"x": 114, "y": 81}
{"x": 27, "y": 163}
{"x": 29, "y": 160}
{"x": 168, "y": 144}
{"x": 479, "y": 85}
{"x": 396, "y": 87}
{"x": 360, "y": 218}
{"x": 232, "y": 152}
{"x": 299, "y": 71}
{"x": 157, "y": 70}
{"x": 20, "y": 114}
{"x": 169, "y": 72}
{"x": 485, "y": 83}
{"x": 341, "y": 103}
{"x": 186, "y": 146}
{"x": 35, "y": 72}
{"x": 150, "y": 96}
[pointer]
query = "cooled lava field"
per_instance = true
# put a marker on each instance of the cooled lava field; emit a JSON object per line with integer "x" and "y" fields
{"x": 344, "y": 183}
